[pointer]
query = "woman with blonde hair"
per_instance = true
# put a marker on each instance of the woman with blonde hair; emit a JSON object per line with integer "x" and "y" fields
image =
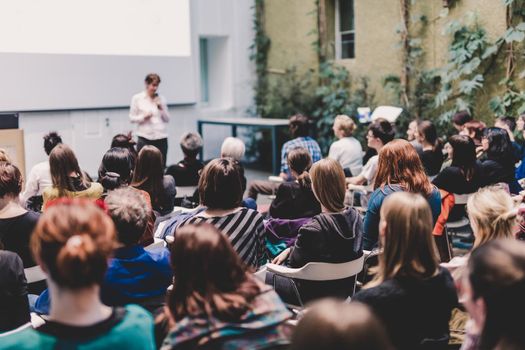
{"x": 408, "y": 280}
{"x": 399, "y": 169}
{"x": 346, "y": 150}
{"x": 334, "y": 235}
{"x": 68, "y": 180}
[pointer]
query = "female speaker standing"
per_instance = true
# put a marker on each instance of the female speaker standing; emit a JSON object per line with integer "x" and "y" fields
{"x": 148, "y": 109}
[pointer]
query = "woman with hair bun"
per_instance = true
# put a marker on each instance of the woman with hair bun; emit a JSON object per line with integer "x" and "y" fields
{"x": 73, "y": 242}
{"x": 296, "y": 199}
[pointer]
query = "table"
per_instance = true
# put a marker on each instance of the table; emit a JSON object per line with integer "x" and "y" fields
{"x": 262, "y": 123}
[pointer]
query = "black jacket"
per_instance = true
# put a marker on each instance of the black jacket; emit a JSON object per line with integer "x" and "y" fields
{"x": 332, "y": 238}
{"x": 294, "y": 201}
{"x": 413, "y": 310}
{"x": 14, "y": 306}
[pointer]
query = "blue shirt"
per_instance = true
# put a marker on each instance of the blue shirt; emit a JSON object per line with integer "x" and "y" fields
{"x": 375, "y": 202}
{"x": 306, "y": 142}
{"x": 133, "y": 275}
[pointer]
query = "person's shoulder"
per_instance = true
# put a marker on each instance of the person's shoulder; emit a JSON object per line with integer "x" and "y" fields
{"x": 138, "y": 95}
{"x": 25, "y": 337}
{"x": 32, "y": 216}
{"x": 136, "y": 328}
{"x": 385, "y": 290}
{"x": 95, "y": 189}
{"x": 11, "y": 260}
{"x": 168, "y": 180}
{"x": 137, "y": 314}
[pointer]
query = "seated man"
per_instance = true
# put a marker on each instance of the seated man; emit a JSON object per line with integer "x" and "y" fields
{"x": 186, "y": 172}
{"x": 134, "y": 275}
{"x": 298, "y": 126}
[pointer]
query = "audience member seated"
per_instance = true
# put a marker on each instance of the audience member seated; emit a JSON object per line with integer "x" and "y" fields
{"x": 299, "y": 130}
{"x": 233, "y": 147}
{"x": 295, "y": 199}
{"x": 149, "y": 176}
{"x": 460, "y": 119}
{"x": 499, "y": 164}
{"x": 379, "y": 134}
{"x": 463, "y": 176}
{"x": 14, "y": 306}
{"x": 411, "y": 136}
{"x": 331, "y": 324}
{"x": 399, "y": 169}
{"x": 408, "y": 280}
{"x": 116, "y": 171}
{"x": 134, "y": 275}
{"x": 474, "y": 129}
{"x": 432, "y": 149}
{"x": 215, "y": 302}
{"x": 492, "y": 291}
{"x": 221, "y": 193}
{"x": 39, "y": 177}
{"x": 125, "y": 141}
{"x": 68, "y": 180}
{"x": 492, "y": 215}
{"x": 346, "y": 150}
{"x": 186, "y": 172}
{"x": 334, "y": 236}
{"x": 72, "y": 243}
{"x": 16, "y": 223}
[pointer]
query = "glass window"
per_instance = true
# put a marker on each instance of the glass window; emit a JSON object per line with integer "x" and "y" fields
{"x": 345, "y": 29}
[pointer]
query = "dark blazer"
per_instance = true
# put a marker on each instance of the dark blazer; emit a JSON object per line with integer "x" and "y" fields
{"x": 14, "y": 306}
{"x": 294, "y": 201}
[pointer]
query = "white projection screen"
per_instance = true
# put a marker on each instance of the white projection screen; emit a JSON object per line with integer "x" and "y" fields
{"x": 81, "y": 54}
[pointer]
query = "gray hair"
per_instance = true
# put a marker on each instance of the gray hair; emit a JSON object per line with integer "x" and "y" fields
{"x": 191, "y": 142}
{"x": 130, "y": 212}
{"x": 233, "y": 147}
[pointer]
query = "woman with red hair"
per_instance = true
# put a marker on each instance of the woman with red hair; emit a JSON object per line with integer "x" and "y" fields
{"x": 399, "y": 169}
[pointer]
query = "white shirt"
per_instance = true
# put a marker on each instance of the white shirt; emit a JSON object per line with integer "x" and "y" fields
{"x": 153, "y": 128}
{"x": 349, "y": 153}
{"x": 370, "y": 169}
{"x": 39, "y": 179}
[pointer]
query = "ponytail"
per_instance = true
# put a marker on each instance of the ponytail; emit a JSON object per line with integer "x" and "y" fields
{"x": 506, "y": 221}
{"x": 304, "y": 180}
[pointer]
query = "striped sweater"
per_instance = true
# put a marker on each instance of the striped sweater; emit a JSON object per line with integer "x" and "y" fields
{"x": 245, "y": 230}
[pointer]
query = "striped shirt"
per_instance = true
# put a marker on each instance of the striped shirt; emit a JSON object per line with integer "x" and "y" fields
{"x": 245, "y": 230}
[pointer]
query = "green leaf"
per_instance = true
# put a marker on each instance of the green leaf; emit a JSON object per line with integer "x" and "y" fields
{"x": 489, "y": 51}
{"x": 469, "y": 86}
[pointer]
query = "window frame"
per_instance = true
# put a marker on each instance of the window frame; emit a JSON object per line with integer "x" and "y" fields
{"x": 339, "y": 33}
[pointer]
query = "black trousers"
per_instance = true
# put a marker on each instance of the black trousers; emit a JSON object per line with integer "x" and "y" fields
{"x": 161, "y": 144}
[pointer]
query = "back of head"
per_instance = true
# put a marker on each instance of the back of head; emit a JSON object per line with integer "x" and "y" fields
{"x": 191, "y": 144}
{"x": 300, "y": 161}
{"x": 50, "y": 141}
{"x": 406, "y": 237}
{"x": 298, "y": 125}
{"x": 428, "y": 130}
{"x": 149, "y": 172}
{"x": 492, "y": 214}
{"x": 209, "y": 275}
{"x": 116, "y": 168}
{"x": 123, "y": 141}
{"x": 345, "y": 124}
{"x": 73, "y": 241}
{"x": 461, "y": 118}
{"x": 130, "y": 213}
{"x": 328, "y": 183}
{"x": 334, "y": 325}
{"x": 383, "y": 130}
{"x": 10, "y": 180}
{"x": 496, "y": 272}
{"x": 62, "y": 163}
{"x": 220, "y": 184}
{"x": 500, "y": 146}
{"x": 509, "y": 122}
{"x": 464, "y": 151}
{"x": 400, "y": 164}
{"x": 233, "y": 147}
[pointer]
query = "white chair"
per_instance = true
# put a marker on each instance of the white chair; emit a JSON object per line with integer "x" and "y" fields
{"x": 34, "y": 274}
{"x": 452, "y": 226}
{"x": 185, "y": 191}
{"x": 318, "y": 271}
